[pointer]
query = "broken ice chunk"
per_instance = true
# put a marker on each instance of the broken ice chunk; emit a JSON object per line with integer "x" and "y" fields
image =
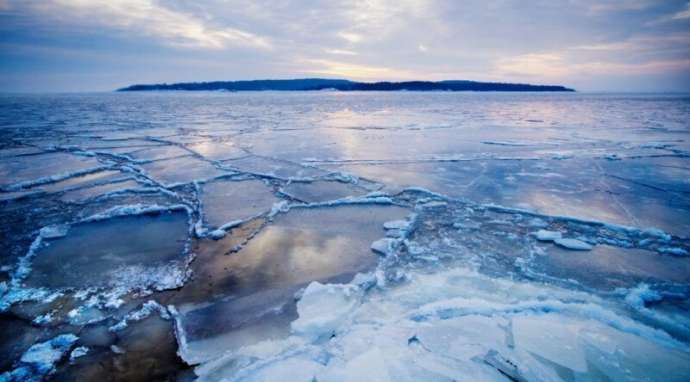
{"x": 553, "y": 337}
{"x": 638, "y": 297}
{"x": 85, "y": 315}
{"x": 434, "y": 204}
{"x": 54, "y": 231}
{"x": 504, "y": 365}
{"x": 45, "y": 354}
{"x": 674, "y": 251}
{"x": 145, "y": 311}
{"x": 323, "y": 308}
{"x": 370, "y": 365}
{"x": 544, "y": 235}
{"x": 384, "y": 246}
{"x": 396, "y": 224}
{"x": 78, "y": 352}
{"x": 574, "y": 244}
{"x": 39, "y": 361}
{"x": 299, "y": 368}
{"x": 217, "y": 234}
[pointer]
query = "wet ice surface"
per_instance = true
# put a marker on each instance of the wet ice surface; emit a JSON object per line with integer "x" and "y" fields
{"x": 227, "y": 201}
{"x": 410, "y": 236}
{"x": 322, "y": 191}
{"x": 243, "y": 293}
{"x": 111, "y": 253}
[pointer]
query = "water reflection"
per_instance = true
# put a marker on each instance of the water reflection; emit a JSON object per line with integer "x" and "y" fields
{"x": 246, "y": 296}
{"x": 121, "y": 251}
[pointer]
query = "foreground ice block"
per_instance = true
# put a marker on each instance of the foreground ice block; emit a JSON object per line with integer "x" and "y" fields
{"x": 459, "y": 325}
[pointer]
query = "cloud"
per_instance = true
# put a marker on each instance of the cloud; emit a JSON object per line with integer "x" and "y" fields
{"x": 604, "y": 6}
{"x": 557, "y": 66}
{"x": 641, "y": 43}
{"x": 356, "y": 71}
{"x": 148, "y": 17}
{"x": 507, "y": 40}
{"x": 351, "y": 37}
{"x": 548, "y": 65}
{"x": 377, "y": 20}
{"x": 341, "y": 52}
{"x": 682, "y": 15}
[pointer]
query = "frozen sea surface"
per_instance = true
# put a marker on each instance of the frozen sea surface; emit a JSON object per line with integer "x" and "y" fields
{"x": 345, "y": 237}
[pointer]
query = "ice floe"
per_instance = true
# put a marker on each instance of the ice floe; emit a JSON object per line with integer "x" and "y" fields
{"x": 544, "y": 235}
{"x": 574, "y": 244}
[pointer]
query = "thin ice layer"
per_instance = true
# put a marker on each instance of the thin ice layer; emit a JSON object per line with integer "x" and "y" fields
{"x": 181, "y": 170}
{"x": 273, "y": 168}
{"x": 322, "y": 191}
{"x": 130, "y": 251}
{"x": 225, "y": 201}
{"x": 27, "y": 170}
{"x": 217, "y": 150}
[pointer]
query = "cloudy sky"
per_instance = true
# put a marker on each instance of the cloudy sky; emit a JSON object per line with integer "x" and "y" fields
{"x": 87, "y": 45}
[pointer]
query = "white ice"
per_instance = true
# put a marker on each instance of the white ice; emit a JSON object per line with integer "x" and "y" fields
{"x": 574, "y": 244}
{"x": 457, "y": 325}
{"x": 544, "y": 235}
{"x": 324, "y": 308}
{"x": 40, "y": 359}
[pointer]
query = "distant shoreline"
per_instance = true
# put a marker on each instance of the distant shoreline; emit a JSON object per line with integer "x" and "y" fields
{"x": 317, "y": 84}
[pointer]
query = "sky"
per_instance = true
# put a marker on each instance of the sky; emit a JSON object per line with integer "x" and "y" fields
{"x": 101, "y": 45}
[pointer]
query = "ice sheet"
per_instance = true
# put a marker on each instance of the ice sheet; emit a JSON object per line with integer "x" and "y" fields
{"x": 451, "y": 203}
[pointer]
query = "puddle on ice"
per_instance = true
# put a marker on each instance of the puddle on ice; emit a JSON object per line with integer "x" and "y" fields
{"x": 137, "y": 251}
{"x": 322, "y": 191}
{"x": 226, "y": 201}
{"x": 253, "y": 288}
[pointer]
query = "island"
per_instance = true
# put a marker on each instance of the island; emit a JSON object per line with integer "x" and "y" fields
{"x": 315, "y": 84}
